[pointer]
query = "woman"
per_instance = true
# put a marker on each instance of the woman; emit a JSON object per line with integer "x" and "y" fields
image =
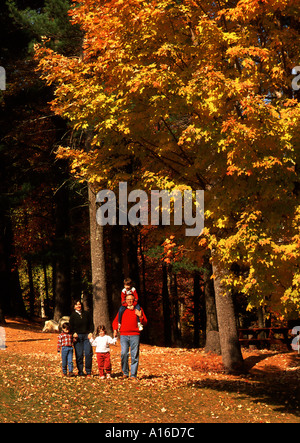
{"x": 81, "y": 325}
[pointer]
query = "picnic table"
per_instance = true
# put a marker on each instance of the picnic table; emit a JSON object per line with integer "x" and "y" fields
{"x": 264, "y": 337}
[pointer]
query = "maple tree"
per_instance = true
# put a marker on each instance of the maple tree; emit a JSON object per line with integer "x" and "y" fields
{"x": 200, "y": 93}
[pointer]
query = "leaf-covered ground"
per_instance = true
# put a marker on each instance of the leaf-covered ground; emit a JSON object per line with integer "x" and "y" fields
{"x": 174, "y": 386}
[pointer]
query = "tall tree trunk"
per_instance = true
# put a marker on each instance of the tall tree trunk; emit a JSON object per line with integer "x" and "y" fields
{"x": 261, "y": 321}
{"x": 230, "y": 346}
{"x": 11, "y": 300}
{"x": 166, "y": 308}
{"x": 143, "y": 273}
{"x": 143, "y": 295}
{"x": 16, "y": 299}
{"x": 197, "y": 296}
{"x": 4, "y": 282}
{"x": 171, "y": 293}
{"x": 212, "y": 343}
{"x": 100, "y": 299}
{"x": 130, "y": 256}
{"x": 177, "y": 310}
{"x": 31, "y": 288}
{"x": 2, "y": 317}
{"x": 114, "y": 270}
{"x": 46, "y": 301}
{"x": 63, "y": 254}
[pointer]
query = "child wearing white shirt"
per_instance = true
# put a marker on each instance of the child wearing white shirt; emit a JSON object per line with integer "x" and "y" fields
{"x": 102, "y": 342}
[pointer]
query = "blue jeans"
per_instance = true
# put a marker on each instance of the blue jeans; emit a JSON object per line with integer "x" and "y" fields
{"x": 67, "y": 359}
{"x": 132, "y": 342}
{"x": 83, "y": 347}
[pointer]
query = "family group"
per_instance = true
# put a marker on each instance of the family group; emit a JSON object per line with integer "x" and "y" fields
{"x": 78, "y": 333}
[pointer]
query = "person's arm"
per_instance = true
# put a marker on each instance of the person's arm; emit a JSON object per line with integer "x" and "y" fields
{"x": 135, "y": 294}
{"x": 92, "y": 341}
{"x": 112, "y": 341}
{"x": 142, "y": 317}
{"x": 123, "y": 296}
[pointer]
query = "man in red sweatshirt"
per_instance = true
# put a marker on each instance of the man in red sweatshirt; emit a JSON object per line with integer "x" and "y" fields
{"x": 130, "y": 336}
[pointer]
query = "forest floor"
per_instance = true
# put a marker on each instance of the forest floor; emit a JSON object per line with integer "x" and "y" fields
{"x": 175, "y": 385}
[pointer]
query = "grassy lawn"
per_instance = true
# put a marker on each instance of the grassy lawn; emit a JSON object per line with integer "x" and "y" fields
{"x": 33, "y": 390}
{"x": 175, "y": 385}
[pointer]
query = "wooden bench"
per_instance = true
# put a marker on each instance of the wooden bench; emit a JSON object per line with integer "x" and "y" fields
{"x": 265, "y": 337}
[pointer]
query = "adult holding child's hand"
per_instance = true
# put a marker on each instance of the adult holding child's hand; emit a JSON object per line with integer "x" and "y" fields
{"x": 81, "y": 325}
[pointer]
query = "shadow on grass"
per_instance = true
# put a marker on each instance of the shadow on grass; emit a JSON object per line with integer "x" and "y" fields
{"x": 250, "y": 362}
{"x": 24, "y": 326}
{"x": 26, "y": 340}
{"x": 283, "y": 395}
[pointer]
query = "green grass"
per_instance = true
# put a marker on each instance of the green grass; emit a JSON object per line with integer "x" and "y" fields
{"x": 33, "y": 390}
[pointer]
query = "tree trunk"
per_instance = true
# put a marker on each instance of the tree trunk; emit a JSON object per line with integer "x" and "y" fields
{"x": 2, "y": 317}
{"x": 197, "y": 296}
{"x": 177, "y": 309}
{"x": 261, "y": 321}
{"x": 11, "y": 300}
{"x": 166, "y": 308}
{"x": 63, "y": 254}
{"x": 100, "y": 299}
{"x": 143, "y": 272}
{"x": 4, "y": 282}
{"x": 114, "y": 270}
{"x": 46, "y": 301}
{"x": 212, "y": 343}
{"x": 230, "y": 346}
{"x": 31, "y": 288}
{"x": 130, "y": 256}
{"x": 174, "y": 312}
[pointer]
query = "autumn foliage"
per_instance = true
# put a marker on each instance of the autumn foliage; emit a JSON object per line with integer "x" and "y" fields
{"x": 199, "y": 94}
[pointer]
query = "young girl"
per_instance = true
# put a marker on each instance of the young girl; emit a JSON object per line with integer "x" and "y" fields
{"x": 102, "y": 342}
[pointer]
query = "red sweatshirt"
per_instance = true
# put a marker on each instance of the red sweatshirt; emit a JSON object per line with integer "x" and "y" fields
{"x": 129, "y": 324}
